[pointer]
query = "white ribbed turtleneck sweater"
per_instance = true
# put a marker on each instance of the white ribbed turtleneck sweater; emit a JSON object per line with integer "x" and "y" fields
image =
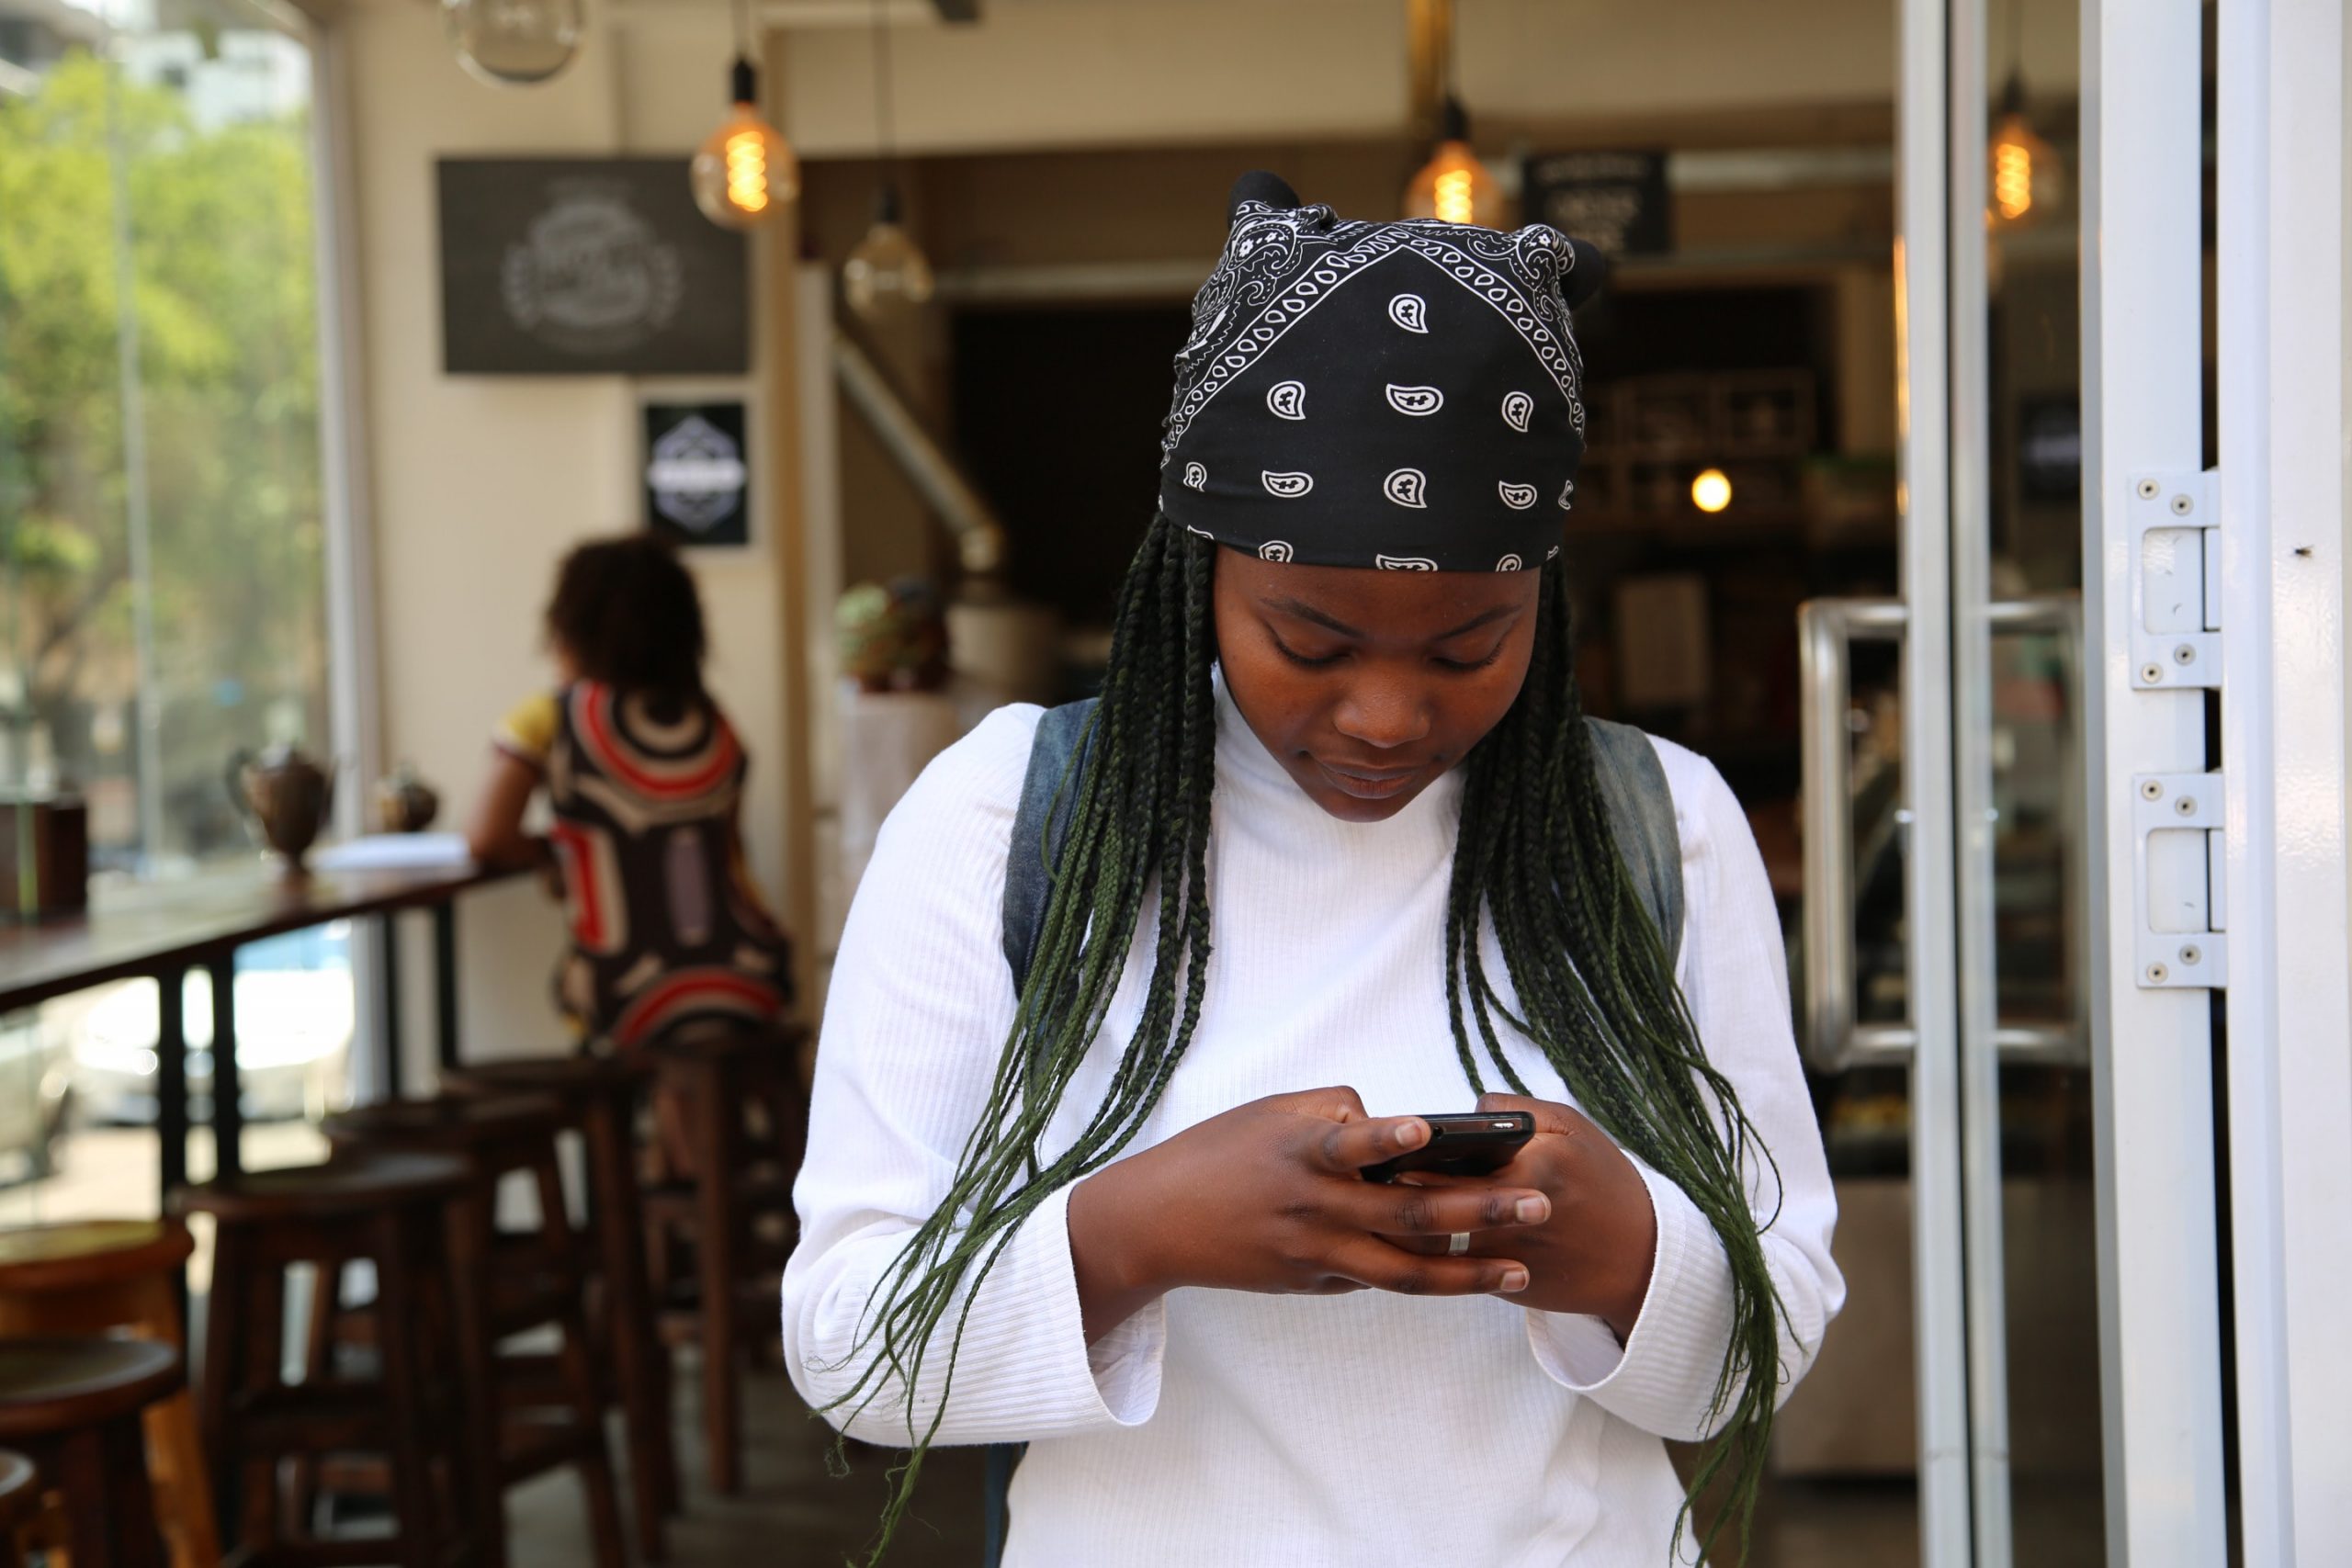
{"x": 1231, "y": 1429}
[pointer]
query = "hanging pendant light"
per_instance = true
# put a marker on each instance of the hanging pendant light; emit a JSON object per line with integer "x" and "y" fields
{"x": 1453, "y": 187}
{"x": 745, "y": 172}
{"x": 2026, "y": 180}
{"x": 886, "y": 273}
{"x": 512, "y": 43}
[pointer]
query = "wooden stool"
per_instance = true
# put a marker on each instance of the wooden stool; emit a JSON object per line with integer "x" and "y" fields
{"x": 73, "y": 1405}
{"x": 96, "y": 1275}
{"x": 740, "y": 1177}
{"x": 19, "y": 1505}
{"x": 598, "y": 1097}
{"x": 502, "y": 1292}
{"x": 390, "y": 1213}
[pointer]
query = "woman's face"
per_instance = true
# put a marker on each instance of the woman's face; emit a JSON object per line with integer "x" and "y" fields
{"x": 1368, "y": 685}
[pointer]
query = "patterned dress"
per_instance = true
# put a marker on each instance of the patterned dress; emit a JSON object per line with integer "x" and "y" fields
{"x": 667, "y": 931}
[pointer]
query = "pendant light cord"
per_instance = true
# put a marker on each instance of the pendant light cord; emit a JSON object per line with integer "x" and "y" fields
{"x": 884, "y": 122}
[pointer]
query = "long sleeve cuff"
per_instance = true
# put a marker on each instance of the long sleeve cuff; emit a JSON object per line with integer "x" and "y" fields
{"x": 1025, "y": 1370}
{"x": 1663, "y": 1379}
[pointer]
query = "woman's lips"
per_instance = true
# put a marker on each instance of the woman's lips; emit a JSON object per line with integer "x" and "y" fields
{"x": 1366, "y": 784}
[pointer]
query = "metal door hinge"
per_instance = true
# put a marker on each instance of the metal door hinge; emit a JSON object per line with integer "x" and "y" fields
{"x": 2175, "y": 579}
{"x": 2177, "y": 871}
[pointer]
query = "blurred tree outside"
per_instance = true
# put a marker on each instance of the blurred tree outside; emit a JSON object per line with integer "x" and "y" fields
{"x": 223, "y": 299}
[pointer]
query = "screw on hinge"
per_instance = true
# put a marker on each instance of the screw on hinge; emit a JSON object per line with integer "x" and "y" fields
{"x": 2148, "y": 489}
{"x": 2153, "y": 790}
{"x": 2157, "y": 974}
{"x": 2182, "y": 505}
{"x": 2184, "y": 654}
{"x": 2152, "y": 674}
{"x": 2186, "y": 805}
{"x": 2191, "y": 956}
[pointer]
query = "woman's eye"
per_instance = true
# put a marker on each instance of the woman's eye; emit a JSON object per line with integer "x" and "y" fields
{"x": 1469, "y": 664}
{"x": 1299, "y": 658}
{"x": 1303, "y": 661}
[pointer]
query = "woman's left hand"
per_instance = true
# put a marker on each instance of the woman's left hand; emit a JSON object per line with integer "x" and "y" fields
{"x": 1593, "y": 1254}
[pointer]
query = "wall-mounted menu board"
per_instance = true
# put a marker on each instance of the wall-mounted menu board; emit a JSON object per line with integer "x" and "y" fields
{"x": 1617, "y": 201}
{"x": 585, "y": 267}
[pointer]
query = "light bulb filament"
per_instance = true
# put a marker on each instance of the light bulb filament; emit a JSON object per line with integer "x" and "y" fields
{"x": 2012, "y": 179}
{"x": 747, "y": 171}
{"x": 1453, "y": 196}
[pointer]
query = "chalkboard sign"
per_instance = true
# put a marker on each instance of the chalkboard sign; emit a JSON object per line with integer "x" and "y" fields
{"x": 698, "y": 483}
{"x": 1616, "y": 200}
{"x": 572, "y": 266}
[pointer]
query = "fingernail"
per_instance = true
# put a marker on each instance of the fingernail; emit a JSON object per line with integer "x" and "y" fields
{"x": 1411, "y": 1134}
{"x": 1514, "y": 1280}
{"x": 1534, "y": 1211}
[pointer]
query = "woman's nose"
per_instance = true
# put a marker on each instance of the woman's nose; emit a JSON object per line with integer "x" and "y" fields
{"x": 1382, "y": 714}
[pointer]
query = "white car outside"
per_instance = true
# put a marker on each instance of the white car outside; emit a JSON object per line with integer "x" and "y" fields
{"x": 294, "y": 1029}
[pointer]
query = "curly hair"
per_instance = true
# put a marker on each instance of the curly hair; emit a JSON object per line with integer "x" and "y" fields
{"x": 624, "y": 610}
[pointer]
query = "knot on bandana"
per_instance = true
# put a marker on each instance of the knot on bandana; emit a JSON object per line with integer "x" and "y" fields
{"x": 1404, "y": 395}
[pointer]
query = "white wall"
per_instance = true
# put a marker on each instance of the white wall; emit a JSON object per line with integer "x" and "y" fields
{"x": 479, "y": 484}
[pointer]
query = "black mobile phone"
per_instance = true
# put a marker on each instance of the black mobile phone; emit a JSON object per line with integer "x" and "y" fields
{"x": 1464, "y": 1143}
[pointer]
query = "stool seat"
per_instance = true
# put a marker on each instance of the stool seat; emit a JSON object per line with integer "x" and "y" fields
{"x": 458, "y": 1124}
{"x": 331, "y": 1190}
{"x": 80, "y": 1253}
{"x": 558, "y": 1077}
{"x": 48, "y": 1386}
{"x": 102, "y": 1276}
{"x": 732, "y": 1044}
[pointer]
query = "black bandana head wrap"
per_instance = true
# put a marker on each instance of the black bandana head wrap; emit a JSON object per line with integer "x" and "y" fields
{"x": 1405, "y": 395}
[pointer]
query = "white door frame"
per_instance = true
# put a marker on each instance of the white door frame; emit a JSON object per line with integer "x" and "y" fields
{"x": 1940, "y": 1335}
{"x": 2151, "y": 1037}
{"x": 2283, "y": 357}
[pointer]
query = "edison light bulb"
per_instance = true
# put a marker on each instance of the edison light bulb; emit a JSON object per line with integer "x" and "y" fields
{"x": 1453, "y": 187}
{"x": 745, "y": 172}
{"x": 513, "y": 42}
{"x": 1711, "y": 491}
{"x": 888, "y": 272}
{"x": 2026, "y": 177}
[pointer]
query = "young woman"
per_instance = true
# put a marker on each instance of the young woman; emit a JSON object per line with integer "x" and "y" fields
{"x": 1337, "y": 858}
{"x": 645, "y": 777}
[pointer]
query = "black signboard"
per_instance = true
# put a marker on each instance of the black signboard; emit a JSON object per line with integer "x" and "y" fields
{"x": 697, "y": 482}
{"x": 1617, "y": 201}
{"x": 571, "y": 266}
{"x": 2050, "y": 448}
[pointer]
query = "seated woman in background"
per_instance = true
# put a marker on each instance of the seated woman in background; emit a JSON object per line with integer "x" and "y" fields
{"x": 645, "y": 777}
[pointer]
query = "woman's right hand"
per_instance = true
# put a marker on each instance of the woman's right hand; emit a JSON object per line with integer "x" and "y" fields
{"x": 1269, "y": 1196}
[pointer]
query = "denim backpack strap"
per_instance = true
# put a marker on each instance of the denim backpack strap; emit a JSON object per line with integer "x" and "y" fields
{"x": 1640, "y": 814}
{"x": 1039, "y": 827}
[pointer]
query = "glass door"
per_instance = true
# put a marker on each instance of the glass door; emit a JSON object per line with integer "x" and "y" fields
{"x": 1962, "y": 876}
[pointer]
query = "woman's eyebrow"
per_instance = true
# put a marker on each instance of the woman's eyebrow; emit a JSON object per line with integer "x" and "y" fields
{"x": 1306, "y": 612}
{"x": 1499, "y": 613}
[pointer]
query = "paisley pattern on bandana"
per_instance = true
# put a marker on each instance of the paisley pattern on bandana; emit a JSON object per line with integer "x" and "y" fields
{"x": 1411, "y": 423}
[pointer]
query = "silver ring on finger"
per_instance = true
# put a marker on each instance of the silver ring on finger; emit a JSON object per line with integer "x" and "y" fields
{"x": 1457, "y": 1244}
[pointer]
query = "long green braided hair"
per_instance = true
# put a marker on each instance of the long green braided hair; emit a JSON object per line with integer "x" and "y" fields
{"x": 1593, "y": 978}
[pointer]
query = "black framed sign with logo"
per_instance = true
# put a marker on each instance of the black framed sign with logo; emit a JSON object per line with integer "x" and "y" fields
{"x": 577, "y": 266}
{"x": 1617, "y": 201}
{"x": 697, "y": 475}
